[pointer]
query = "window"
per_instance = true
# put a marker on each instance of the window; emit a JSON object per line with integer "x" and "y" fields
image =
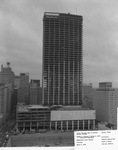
{"x": 64, "y": 125}
{"x": 53, "y": 125}
{"x": 85, "y": 124}
{"x": 81, "y": 125}
{"x": 58, "y": 125}
{"x": 69, "y": 125}
{"x": 75, "y": 124}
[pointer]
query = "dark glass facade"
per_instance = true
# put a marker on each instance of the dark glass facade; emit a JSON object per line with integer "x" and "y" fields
{"x": 62, "y": 59}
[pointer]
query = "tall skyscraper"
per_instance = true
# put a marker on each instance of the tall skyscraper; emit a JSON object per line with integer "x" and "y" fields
{"x": 62, "y": 59}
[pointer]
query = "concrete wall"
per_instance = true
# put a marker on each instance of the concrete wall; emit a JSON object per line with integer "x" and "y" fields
{"x": 72, "y": 115}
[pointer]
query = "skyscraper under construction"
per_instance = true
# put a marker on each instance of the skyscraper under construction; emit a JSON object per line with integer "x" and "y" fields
{"x": 62, "y": 59}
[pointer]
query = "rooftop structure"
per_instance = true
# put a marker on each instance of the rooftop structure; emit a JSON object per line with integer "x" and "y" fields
{"x": 26, "y": 108}
{"x": 69, "y": 108}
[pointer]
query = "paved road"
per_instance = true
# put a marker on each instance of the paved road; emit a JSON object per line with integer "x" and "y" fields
{"x": 5, "y": 132}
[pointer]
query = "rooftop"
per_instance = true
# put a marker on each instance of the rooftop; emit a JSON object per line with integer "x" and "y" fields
{"x": 56, "y": 14}
{"x": 26, "y": 108}
{"x": 69, "y": 108}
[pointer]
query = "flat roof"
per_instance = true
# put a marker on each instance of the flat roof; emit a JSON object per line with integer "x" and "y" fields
{"x": 57, "y": 14}
{"x": 26, "y": 108}
{"x": 70, "y": 108}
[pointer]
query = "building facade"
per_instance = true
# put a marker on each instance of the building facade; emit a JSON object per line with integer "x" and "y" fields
{"x": 62, "y": 59}
{"x": 105, "y": 86}
{"x": 30, "y": 117}
{"x": 34, "y": 90}
{"x": 17, "y": 81}
{"x": 14, "y": 99}
{"x": 5, "y": 100}
{"x": 105, "y": 102}
{"x": 23, "y": 90}
{"x": 7, "y": 75}
{"x": 87, "y": 95}
{"x": 72, "y": 118}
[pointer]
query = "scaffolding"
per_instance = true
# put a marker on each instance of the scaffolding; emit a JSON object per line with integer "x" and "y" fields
{"x": 62, "y": 59}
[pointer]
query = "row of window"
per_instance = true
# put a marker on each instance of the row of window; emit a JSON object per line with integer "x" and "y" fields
{"x": 61, "y": 125}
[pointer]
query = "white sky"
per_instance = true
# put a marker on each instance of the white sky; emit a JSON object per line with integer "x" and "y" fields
{"x": 21, "y": 36}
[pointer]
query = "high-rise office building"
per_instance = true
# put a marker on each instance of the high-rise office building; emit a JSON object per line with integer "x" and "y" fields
{"x": 62, "y": 80}
{"x": 5, "y": 100}
{"x": 62, "y": 59}
{"x": 14, "y": 99}
{"x": 34, "y": 90}
{"x": 87, "y": 95}
{"x": 23, "y": 90}
{"x": 17, "y": 81}
{"x": 105, "y": 102}
{"x": 7, "y": 75}
{"x": 6, "y": 89}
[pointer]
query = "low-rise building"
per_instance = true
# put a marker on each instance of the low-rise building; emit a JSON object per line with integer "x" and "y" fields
{"x": 30, "y": 117}
{"x": 55, "y": 118}
{"x": 72, "y": 118}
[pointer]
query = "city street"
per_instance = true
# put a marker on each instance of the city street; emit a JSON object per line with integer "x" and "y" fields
{"x": 6, "y": 131}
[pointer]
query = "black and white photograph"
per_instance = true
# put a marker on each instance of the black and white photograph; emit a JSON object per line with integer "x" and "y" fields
{"x": 58, "y": 74}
